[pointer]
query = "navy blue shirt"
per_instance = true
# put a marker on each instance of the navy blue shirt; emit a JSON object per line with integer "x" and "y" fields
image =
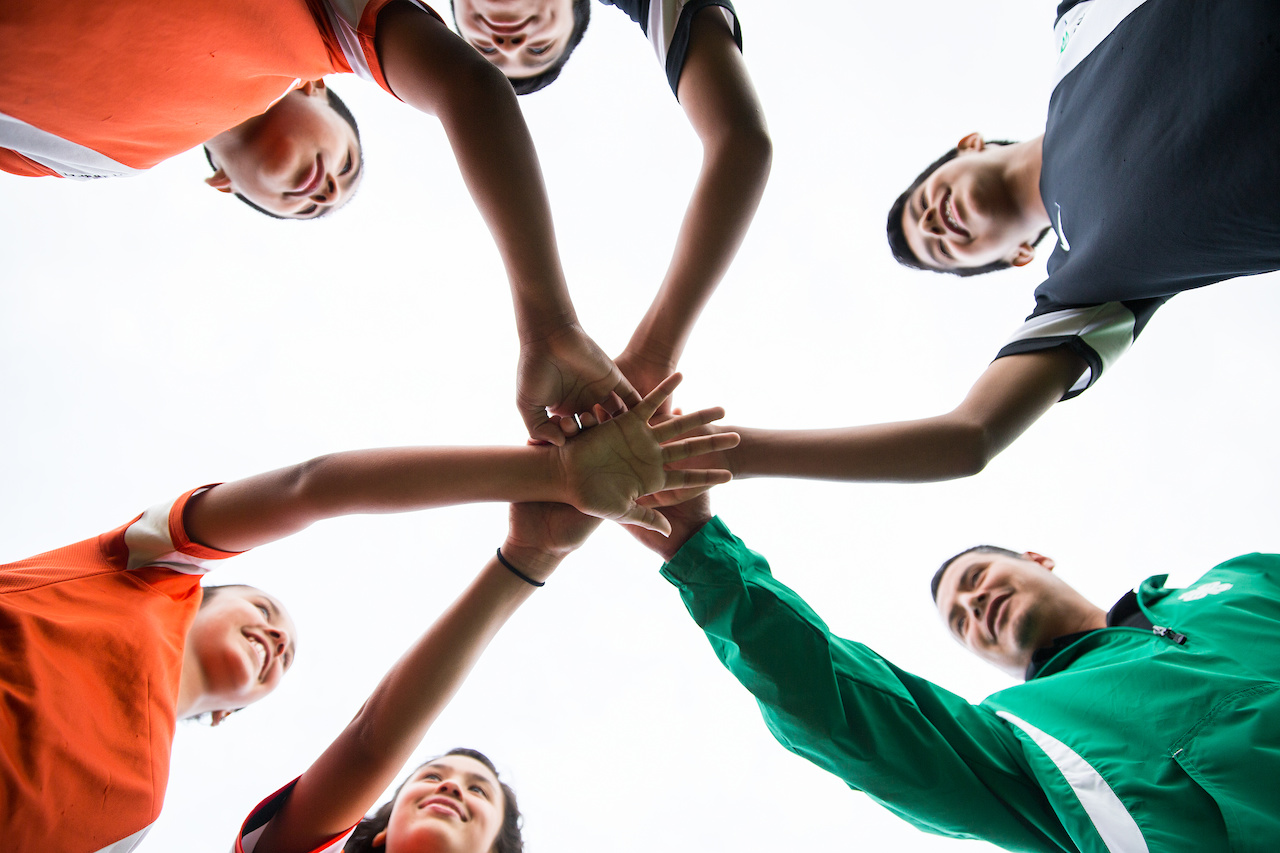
{"x": 1161, "y": 165}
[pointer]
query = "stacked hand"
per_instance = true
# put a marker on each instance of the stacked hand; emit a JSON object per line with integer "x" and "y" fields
{"x": 615, "y": 470}
{"x": 566, "y": 373}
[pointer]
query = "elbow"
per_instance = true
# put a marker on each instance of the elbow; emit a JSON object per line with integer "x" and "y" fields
{"x": 971, "y": 447}
{"x": 745, "y": 148}
{"x": 308, "y": 487}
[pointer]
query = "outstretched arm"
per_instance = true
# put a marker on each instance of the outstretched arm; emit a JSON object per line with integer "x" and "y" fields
{"x": 1008, "y": 398}
{"x": 716, "y": 93}
{"x": 346, "y": 780}
{"x": 437, "y": 72}
{"x": 602, "y": 472}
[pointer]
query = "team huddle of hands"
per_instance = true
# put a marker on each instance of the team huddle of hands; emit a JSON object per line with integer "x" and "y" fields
{"x": 616, "y": 461}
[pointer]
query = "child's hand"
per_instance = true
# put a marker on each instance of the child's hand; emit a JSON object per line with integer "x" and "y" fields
{"x": 644, "y": 373}
{"x": 567, "y": 373}
{"x": 609, "y": 468}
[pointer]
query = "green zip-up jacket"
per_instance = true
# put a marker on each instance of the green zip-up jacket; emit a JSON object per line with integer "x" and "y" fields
{"x": 1125, "y": 740}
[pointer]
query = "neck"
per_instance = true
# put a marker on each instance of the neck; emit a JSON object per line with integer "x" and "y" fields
{"x": 191, "y": 698}
{"x": 1022, "y": 176}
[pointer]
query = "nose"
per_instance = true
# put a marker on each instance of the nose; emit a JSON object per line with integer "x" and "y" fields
{"x": 279, "y": 639}
{"x": 327, "y": 192}
{"x": 931, "y": 221}
{"x": 976, "y": 604}
{"x": 509, "y": 44}
{"x": 450, "y": 788}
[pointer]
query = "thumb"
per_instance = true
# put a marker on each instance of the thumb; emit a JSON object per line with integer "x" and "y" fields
{"x": 643, "y": 516}
{"x": 542, "y": 427}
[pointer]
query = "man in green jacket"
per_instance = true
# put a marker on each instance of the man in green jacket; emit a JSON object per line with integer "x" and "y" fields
{"x": 1152, "y": 727}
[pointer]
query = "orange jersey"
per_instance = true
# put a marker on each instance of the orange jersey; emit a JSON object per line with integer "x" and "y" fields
{"x": 93, "y": 637}
{"x": 92, "y": 89}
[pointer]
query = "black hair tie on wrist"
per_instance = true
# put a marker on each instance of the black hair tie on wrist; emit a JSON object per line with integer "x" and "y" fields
{"x": 517, "y": 572}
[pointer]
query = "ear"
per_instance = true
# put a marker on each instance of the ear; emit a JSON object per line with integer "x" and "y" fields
{"x": 972, "y": 142}
{"x": 379, "y": 840}
{"x": 313, "y": 88}
{"x": 220, "y": 182}
{"x": 1026, "y": 254}
{"x": 1045, "y": 562}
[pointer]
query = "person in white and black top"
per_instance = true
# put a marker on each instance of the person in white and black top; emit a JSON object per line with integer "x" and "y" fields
{"x": 699, "y": 46}
{"x": 1157, "y": 173}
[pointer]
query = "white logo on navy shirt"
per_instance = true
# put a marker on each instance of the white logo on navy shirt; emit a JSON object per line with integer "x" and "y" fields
{"x": 1208, "y": 589}
{"x": 1062, "y": 235}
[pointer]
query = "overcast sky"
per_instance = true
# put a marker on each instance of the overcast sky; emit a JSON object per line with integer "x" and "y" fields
{"x": 155, "y": 335}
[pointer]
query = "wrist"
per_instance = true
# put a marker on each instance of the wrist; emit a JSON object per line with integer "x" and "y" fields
{"x": 533, "y": 562}
{"x": 543, "y": 325}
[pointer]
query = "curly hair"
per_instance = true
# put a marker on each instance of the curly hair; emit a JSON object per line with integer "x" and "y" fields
{"x": 510, "y": 838}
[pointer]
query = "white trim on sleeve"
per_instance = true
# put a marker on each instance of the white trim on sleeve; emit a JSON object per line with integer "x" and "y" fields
{"x": 1115, "y": 826}
{"x": 1107, "y": 329}
{"x": 125, "y": 845}
{"x": 149, "y": 544}
{"x": 1083, "y": 28}
{"x": 664, "y": 15}
{"x": 69, "y": 159}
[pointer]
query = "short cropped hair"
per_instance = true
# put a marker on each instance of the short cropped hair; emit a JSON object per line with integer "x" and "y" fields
{"x": 339, "y": 107}
{"x": 543, "y": 79}
{"x": 980, "y": 549}
{"x": 897, "y": 236}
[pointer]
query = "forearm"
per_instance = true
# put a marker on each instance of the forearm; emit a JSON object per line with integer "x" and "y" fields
{"x": 927, "y": 450}
{"x": 437, "y": 72}
{"x": 717, "y": 96}
{"x": 250, "y": 512}
{"x": 734, "y": 173}
{"x": 347, "y": 778}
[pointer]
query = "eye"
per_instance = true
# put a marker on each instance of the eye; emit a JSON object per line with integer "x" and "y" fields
{"x": 538, "y": 51}
{"x": 266, "y": 614}
{"x": 351, "y": 161}
{"x": 942, "y": 247}
{"x": 308, "y": 211}
{"x": 431, "y": 777}
{"x": 479, "y": 790}
{"x": 487, "y": 51}
{"x": 961, "y": 623}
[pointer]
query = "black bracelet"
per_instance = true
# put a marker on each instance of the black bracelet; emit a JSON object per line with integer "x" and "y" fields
{"x": 517, "y": 572}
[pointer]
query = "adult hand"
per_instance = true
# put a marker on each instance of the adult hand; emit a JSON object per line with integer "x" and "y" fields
{"x": 609, "y": 468}
{"x": 684, "y": 520}
{"x": 566, "y": 373}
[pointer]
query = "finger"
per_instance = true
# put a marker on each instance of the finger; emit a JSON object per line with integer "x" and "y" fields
{"x": 643, "y": 516}
{"x": 693, "y": 477}
{"x": 668, "y": 430}
{"x": 570, "y": 426}
{"x": 587, "y": 420}
{"x": 625, "y": 394}
{"x": 543, "y": 428}
{"x": 674, "y": 451}
{"x": 650, "y": 404}
{"x": 671, "y": 497}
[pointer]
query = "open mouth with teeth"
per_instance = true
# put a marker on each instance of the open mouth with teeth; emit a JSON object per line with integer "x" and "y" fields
{"x": 952, "y": 220}
{"x": 263, "y": 656}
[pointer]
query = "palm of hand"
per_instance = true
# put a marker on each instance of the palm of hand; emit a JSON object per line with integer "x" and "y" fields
{"x": 550, "y": 527}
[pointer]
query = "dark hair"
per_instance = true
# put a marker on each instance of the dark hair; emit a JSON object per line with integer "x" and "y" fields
{"x": 509, "y": 840}
{"x": 543, "y": 79}
{"x": 980, "y": 549}
{"x": 211, "y": 592}
{"x": 339, "y": 107}
{"x": 897, "y": 236}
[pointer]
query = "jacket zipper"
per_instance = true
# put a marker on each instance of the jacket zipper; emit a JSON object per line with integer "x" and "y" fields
{"x": 1169, "y": 634}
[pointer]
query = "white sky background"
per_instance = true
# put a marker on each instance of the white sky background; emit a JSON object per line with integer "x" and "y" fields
{"x": 155, "y": 336}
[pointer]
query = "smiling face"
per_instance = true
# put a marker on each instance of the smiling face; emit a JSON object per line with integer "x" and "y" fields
{"x": 453, "y": 804}
{"x": 966, "y": 214}
{"x": 1003, "y": 608}
{"x": 298, "y": 160}
{"x": 521, "y": 37}
{"x": 241, "y": 644}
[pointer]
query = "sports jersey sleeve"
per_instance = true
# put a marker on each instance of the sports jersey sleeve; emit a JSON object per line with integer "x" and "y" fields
{"x": 354, "y": 23}
{"x": 1099, "y": 334}
{"x": 256, "y": 823}
{"x": 159, "y": 537}
{"x": 667, "y": 24}
{"x": 944, "y": 765}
